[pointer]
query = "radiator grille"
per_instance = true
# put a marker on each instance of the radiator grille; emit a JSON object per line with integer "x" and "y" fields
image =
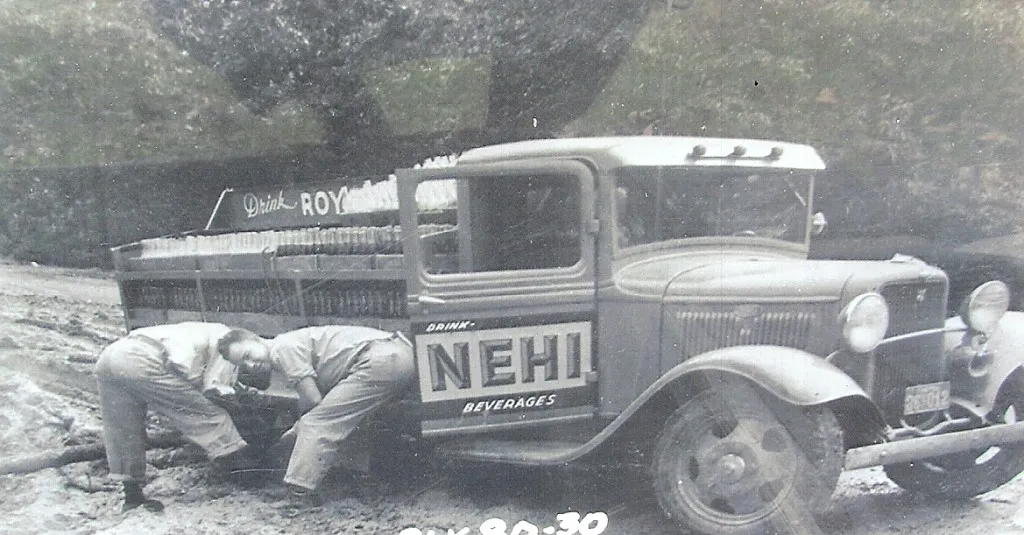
{"x": 912, "y": 307}
{"x": 915, "y": 306}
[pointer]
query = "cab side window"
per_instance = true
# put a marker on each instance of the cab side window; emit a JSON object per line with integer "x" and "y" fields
{"x": 509, "y": 223}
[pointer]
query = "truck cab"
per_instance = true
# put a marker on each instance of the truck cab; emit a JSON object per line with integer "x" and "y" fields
{"x": 639, "y": 298}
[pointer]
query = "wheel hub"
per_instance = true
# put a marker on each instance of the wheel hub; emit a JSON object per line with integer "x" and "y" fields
{"x": 727, "y": 469}
{"x": 730, "y": 468}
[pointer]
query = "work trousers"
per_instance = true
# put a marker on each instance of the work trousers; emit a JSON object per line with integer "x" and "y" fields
{"x": 383, "y": 369}
{"x": 133, "y": 376}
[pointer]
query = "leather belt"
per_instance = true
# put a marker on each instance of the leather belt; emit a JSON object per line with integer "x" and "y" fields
{"x": 361, "y": 347}
{"x": 397, "y": 335}
{"x": 152, "y": 342}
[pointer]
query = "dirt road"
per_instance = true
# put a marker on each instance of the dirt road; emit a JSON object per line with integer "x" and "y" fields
{"x": 54, "y": 321}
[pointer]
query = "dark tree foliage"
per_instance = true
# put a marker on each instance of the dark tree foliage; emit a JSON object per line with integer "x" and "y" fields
{"x": 545, "y": 60}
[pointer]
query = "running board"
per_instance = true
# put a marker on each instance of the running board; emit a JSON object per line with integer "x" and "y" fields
{"x": 521, "y": 452}
{"x": 915, "y": 449}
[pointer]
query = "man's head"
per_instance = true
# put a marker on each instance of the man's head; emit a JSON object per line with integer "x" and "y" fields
{"x": 250, "y": 353}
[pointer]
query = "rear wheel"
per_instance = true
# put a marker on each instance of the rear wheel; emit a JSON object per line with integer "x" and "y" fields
{"x": 729, "y": 462}
{"x": 973, "y": 472}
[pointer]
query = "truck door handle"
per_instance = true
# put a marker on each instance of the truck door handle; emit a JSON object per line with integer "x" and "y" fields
{"x": 428, "y": 300}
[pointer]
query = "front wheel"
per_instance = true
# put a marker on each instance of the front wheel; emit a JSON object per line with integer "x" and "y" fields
{"x": 973, "y": 472}
{"x": 729, "y": 462}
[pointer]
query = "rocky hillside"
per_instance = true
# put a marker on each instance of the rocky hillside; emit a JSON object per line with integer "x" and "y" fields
{"x": 917, "y": 105}
{"x": 92, "y": 81}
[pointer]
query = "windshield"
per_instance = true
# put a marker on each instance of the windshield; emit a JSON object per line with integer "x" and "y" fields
{"x": 658, "y": 204}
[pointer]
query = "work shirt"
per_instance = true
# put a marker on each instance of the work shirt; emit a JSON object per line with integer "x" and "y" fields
{"x": 327, "y": 353}
{"x": 191, "y": 351}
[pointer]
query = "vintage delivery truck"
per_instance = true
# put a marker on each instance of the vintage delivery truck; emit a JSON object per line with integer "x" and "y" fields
{"x": 641, "y": 298}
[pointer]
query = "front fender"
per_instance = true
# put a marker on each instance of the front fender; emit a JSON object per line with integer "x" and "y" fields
{"x": 794, "y": 376}
{"x": 1006, "y": 346}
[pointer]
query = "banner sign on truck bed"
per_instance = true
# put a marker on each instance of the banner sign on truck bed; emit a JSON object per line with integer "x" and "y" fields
{"x": 328, "y": 203}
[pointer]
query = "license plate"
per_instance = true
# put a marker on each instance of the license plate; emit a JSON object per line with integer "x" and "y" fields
{"x": 926, "y": 398}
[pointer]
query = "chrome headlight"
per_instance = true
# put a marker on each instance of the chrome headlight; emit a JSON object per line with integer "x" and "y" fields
{"x": 864, "y": 322}
{"x": 986, "y": 305}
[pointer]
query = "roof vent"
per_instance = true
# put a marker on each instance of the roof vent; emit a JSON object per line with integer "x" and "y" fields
{"x": 698, "y": 151}
{"x": 738, "y": 151}
{"x": 775, "y": 153}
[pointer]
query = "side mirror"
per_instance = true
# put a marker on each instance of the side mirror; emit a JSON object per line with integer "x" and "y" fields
{"x": 818, "y": 223}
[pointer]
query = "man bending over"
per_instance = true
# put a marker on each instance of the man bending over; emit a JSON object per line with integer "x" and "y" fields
{"x": 164, "y": 368}
{"x": 342, "y": 374}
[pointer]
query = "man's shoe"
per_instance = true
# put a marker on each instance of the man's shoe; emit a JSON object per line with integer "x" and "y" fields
{"x": 298, "y": 499}
{"x": 134, "y": 498}
{"x": 303, "y": 497}
{"x": 149, "y": 504}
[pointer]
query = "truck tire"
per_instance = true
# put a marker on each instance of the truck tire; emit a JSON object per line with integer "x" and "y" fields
{"x": 973, "y": 472}
{"x": 729, "y": 462}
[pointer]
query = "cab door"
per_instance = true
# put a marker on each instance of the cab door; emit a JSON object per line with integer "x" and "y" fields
{"x": 501, "y": 294}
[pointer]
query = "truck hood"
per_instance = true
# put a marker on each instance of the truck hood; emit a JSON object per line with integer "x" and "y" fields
{"x": 729, "y": 276}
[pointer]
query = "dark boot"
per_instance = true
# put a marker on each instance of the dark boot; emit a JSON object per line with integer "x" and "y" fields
{"x": 134, "y": 497}
{"x": 303, "y": 498}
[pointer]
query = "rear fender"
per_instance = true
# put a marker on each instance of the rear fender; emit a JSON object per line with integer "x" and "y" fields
{"x": 1006, "y": 348}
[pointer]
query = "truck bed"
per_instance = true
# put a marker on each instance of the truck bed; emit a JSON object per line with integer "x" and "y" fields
{"x": 269, "y": 281}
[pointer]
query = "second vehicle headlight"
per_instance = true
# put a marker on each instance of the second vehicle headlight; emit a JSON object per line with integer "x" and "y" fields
{"x": 986, "y": 305}
{"x": 864, "y": 322}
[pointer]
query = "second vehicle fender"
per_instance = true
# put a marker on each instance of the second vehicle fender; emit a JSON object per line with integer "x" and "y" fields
{"x": 1006, "y": 347}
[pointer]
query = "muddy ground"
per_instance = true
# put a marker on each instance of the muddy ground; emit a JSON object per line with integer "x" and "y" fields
{"x": 54, "y": 321}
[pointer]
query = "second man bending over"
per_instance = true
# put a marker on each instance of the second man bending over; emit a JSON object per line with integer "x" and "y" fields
{"x": 342, "y": 374}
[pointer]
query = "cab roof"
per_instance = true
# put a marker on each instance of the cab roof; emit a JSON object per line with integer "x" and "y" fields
{"x": 655, "y": 151}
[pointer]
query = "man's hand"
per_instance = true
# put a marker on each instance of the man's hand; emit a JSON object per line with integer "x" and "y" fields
{"x": 222, "y": 395}
{"x": 220, "y": 391}
{"x": 309, "y": 394}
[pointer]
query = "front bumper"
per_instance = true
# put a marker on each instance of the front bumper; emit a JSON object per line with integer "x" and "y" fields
{"x": 916, "y": 449}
